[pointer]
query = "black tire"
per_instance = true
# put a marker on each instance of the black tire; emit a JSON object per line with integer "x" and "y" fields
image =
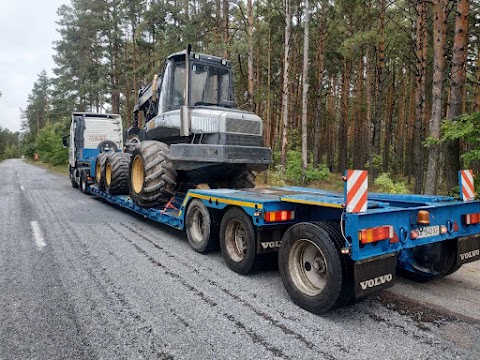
{"x": 314, "y": 272}
{"x": 244, "y": 180}
{"x": 153, "y": 182}
{"x": 100, "y": 170}
{"x": 107, "y": 147}
{"x": 117, "y": 171}
{"x": 347, "y": 293}
{"x": 237, "y": 241}
{"x": 83, "y": 183}
{"x": 444, "y": 264}
{"x": 72, "y": 179}
{"x": 202, "y": 227}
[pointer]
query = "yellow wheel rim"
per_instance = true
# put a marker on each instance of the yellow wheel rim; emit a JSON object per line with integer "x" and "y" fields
{"x": 108, "y": 174}
{"x": 98, "y": 172}
{"x": 138, "y": 174}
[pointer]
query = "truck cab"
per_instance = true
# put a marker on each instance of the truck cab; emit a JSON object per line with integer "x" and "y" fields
{"x": 90, "y": 135}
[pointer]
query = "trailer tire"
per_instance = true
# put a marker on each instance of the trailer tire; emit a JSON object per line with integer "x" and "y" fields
{"x": 312, "y": 269}
{"x": 445, "y": 265}
{"x": 117, "y": 169}
{"x": 202, "y": 227}
{"x": 83, "y": 182}
{"x": 152, "y": 175}
{"x": 100, "y": 170}
{"x": 244, "y": 180}
{"x": 237, "y": 241}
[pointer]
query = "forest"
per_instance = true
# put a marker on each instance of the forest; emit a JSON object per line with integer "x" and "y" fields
{"x": 392, "y": 86}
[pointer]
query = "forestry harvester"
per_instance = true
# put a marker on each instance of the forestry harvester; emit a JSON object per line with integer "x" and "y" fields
{"x": 193, "y": 133}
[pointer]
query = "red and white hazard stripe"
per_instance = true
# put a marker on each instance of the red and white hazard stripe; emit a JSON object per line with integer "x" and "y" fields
{"x": 467, "y": 190}
{"x": 357, "y": 191}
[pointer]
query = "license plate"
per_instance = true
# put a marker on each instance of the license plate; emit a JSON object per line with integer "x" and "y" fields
{"x": 427, "y": 231}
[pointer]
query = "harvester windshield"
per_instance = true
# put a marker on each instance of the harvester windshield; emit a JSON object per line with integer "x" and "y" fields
{"x": 210, "y": 85}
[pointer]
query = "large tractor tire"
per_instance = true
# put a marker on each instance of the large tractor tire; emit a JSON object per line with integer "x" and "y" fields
{"x": 100, "y": 170}
{"x": 152, "y": 176}
{"x": 244, "y": 180}
{"x": 117, "y": 169}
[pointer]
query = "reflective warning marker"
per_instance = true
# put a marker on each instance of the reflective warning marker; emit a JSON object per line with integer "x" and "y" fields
{"x": 467, "y": 190}
{"x": 356, "y": 191}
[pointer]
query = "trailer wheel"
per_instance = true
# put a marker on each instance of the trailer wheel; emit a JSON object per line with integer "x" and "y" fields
{"x": 116, "y": 173}
{"x": 312, "y": 269}
{"x": 100, "y": 170}
{"x": 202, "y": 227}
{"x": 152, "y": 176}
{"x": 237, "y": 241}
{"x": 83, "y": 182}
{"x": 431, "y": 261}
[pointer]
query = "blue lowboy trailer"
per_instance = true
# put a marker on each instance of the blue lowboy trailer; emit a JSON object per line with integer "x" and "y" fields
{"x": 332, "y": 248}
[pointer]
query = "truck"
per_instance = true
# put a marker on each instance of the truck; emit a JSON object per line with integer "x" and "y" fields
{"x": 192, "y": 166}
{"x": 91, "y": 136}
{"x": 332, "y": 248}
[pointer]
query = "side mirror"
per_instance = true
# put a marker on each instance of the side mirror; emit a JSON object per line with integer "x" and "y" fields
{"x": 65, "y": 141}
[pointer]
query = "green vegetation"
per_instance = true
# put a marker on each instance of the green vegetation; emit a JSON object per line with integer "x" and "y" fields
{"x": 384, "y": 183}
{"x": 467, "y": 128}
{"x": 49, "y": 145}
{"x": 9, "y": 144}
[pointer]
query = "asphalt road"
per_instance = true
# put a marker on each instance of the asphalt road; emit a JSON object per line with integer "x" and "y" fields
{"x": 81, "y": 279}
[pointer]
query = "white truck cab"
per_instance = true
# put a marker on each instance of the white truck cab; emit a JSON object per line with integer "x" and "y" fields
{"x": 91, "y": 134}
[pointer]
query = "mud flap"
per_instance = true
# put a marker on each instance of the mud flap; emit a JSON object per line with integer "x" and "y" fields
{"x": 374, "y": 274}
{"x": 468, "y": 250}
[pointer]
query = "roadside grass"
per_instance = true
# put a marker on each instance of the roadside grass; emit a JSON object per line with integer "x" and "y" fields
{"x": 334, "y": 183}
{"x": 57, "y": 169}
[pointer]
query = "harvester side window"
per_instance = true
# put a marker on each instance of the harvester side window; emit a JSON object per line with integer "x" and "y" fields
{"x": 173, "y": 87}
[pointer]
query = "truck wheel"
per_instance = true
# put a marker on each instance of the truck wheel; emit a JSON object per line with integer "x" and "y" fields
{"x": 152, "y": 176}
{"x": 100, "y": 171}
{"x": 202, "y": 227}
{"x": 72, "y": 178}
{"x": 83, "y": 183}
{"x": 245, "y": 180}
{"x": 237, "y": 241}
{"x": 312, "y": 269}
{"x": 116, "y": 173}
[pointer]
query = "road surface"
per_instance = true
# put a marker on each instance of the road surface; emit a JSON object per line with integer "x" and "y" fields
{"x": 81, "y": 279}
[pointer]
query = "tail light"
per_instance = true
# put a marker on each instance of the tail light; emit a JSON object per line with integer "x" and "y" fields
{"x": 375, "y": 234}
{"x": 471, "y": 219}
{"x": 277, "y": 216}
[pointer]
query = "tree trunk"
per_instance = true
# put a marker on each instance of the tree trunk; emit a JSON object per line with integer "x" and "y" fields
{"x": 305, "y": 93}
{"x": 378, "y": 119}
{"x": 420, "y": 92}
{"x": 477, "y": 85}
{"x": 251, "y": 103}
{"x": 319, "y": 108}
{"x": 288, "y": 23}
{"x": 342, "y": 153}
{"x": 226, "y": 33}
{"x": 459, "y": 55}
{"x": 439, "y": 38}
{"x": 359, "y": 153}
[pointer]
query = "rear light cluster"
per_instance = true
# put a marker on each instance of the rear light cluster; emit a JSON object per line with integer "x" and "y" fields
{"x": 471, "y": 219}
{"x": 278, "y": 216}
{"x": 367, "y": 236}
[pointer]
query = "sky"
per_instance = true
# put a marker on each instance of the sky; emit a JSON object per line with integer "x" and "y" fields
{"x": 27, "y": 32}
